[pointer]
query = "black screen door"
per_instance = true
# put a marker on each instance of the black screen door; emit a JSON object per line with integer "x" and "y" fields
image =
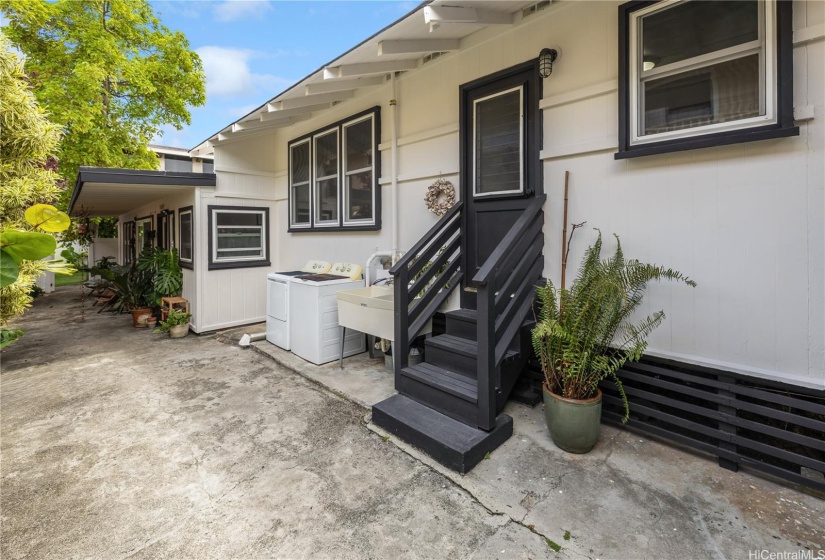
{"x": 500, "y": 169}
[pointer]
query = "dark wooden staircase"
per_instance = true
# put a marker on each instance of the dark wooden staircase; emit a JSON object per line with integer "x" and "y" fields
{"x": 446, "y": 380}
{"x": 450, "y": 405}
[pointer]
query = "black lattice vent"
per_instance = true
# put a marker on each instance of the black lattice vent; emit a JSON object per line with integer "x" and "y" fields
{"x": 772, "y": 427}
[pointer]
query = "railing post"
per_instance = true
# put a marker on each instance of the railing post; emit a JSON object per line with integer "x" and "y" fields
{"x": 401, "y": 342}
{"x": 486, "y": 337}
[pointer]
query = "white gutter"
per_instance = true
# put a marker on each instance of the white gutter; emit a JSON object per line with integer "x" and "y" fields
{"x": 394, "y": 168}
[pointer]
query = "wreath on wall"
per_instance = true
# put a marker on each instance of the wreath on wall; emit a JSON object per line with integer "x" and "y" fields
{"x": 440, "y": 197}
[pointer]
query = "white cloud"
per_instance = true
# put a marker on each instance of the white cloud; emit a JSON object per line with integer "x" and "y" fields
{"x": 234, "y": 10}
{"x": 228, "y": 73}
{"x": 227, "y": 70}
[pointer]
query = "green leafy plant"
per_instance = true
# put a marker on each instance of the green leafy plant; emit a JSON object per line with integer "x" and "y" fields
{"x": 111, "y": 74}
{"x": 75, "y": 258}
{"x": 166, "y": 273}
{"x": 585, "y": 334}
{"x": 27, "y": 180}
{"x": 175, "y": 318}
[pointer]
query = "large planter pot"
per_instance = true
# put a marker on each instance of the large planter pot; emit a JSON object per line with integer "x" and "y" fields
{"x": 140, "y": 315}
{"x": 178, "y": 331}
{"x": 573, "y": 424}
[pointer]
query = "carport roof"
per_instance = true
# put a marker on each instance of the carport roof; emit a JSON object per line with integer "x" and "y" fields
{"x": 106, "y": 191}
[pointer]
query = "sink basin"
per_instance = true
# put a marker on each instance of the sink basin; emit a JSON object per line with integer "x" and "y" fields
{"x": 370, "y": 310}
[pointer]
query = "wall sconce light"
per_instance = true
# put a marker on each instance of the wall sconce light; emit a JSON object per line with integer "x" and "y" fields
{"x": 649, "y": 63}
{"x": 546, "y": 59}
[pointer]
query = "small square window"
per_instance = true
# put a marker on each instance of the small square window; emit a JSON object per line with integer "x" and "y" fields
{"x": 697, "y": 73}
{"x": 238, "y": 237}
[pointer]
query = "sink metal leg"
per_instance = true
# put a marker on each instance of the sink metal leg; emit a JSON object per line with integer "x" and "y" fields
{"x": 343, "y": 337}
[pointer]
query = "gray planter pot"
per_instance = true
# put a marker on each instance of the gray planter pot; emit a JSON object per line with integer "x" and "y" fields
{"x": 573, "y": 424}
{"x": 178, "y": 331}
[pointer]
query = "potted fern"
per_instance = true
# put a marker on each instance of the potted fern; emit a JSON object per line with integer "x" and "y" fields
{"x": 585, "y": 334}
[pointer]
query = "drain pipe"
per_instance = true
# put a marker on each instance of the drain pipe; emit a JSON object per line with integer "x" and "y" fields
{"x": 247, "y": 339}
{"x": 394, "y": 167}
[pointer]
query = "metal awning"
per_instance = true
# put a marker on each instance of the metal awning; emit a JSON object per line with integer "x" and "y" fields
{"x": 106, "y": 191}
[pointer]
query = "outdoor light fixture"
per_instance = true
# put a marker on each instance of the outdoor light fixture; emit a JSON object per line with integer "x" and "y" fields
{"x": 650, "y": 63}
{"x": 546, "y": 59}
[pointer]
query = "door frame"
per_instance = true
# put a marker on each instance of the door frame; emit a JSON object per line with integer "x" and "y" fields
{"x": 533, "y": 141}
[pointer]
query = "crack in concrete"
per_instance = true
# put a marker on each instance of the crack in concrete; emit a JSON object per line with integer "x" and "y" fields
{"x": 696, "y": 513}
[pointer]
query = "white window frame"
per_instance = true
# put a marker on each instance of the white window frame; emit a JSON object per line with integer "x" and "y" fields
{"x": 520, "y": 190}
{"x": 346, "y": 174}
{"x": 765, "y": 46}
{"x": 216, "y": 259}
{"x": 316, "y": 207}
{"x": 191, "y": 235}
{"x": 293, "y": 223}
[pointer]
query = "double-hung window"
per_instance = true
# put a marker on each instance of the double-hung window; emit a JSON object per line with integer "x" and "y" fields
{"x": 333, "y": 176}
{"x": 186, "y": 253}
{"x": 238, "y": 237}
{"x": 696, "y": 73}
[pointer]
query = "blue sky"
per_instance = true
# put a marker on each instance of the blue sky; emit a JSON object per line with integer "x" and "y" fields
{"x": 253, "y": 50}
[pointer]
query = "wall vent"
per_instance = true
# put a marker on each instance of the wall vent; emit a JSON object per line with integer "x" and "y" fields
{"x": 537, "y": 7}
{"x": 432, "y": 56}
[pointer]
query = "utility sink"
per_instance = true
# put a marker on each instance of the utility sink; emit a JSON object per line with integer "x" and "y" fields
{"x": 370, "y": 310}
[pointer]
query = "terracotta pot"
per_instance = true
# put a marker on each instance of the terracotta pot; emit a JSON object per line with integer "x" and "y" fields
{"x": 178, "y": 331}
{"x": 139, "y": 316}
{"x": 573, "y": 424}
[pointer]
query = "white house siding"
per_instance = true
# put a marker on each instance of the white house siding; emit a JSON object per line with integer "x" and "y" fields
{"x": 236, "y": 296}
{"x": 745, "y": 221}
{"x": 170, "y": 203}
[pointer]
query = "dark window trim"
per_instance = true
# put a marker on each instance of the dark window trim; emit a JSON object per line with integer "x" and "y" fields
{"x": 190, "y": 264}
{"x": 128, "y": 241}
{"x": 168, "y": 230}
{"x": 375, "y": 112}
{"x": 239, "y": 264}
{"x": 784, "y": 126}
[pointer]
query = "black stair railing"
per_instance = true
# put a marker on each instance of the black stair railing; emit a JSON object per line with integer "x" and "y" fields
{"x": 505, "y": 286}
{"x": 423, "y": 280}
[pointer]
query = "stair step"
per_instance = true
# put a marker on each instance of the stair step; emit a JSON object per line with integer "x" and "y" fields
{"x": 461, "y": 322}
{"x": 452, "y": 443}
{"x": 457, "y": 352}
{"x": 469, "y": 315}
{"x": 447, "y": 381}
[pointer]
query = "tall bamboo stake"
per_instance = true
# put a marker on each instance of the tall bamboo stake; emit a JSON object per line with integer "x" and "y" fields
{"x": 564, "y": 230}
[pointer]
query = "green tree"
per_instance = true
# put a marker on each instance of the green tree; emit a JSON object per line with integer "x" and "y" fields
{"x": 110, "y": 74}
{"x": 27, "y": 181}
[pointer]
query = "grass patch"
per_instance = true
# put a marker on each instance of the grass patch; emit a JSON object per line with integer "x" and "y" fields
{"x": 553, "y": 545}
{"x": 69, "y": 280}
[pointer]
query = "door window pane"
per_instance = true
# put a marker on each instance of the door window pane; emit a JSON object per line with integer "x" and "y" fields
{"x": 498, "y": 144}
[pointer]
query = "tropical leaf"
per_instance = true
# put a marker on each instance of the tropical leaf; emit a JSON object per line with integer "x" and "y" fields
{"x": 27, "y": 245}
{"x": 9, "y": 271}
{"x": 47, "y": 217}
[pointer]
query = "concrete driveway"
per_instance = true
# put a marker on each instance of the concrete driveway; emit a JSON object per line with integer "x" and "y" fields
{"x": 119, "y": 443}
